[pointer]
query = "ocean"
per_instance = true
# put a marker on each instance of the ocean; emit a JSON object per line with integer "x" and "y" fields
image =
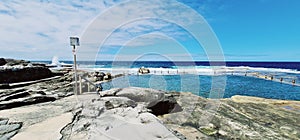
{"x": 210, "y": 80}
{"x": 169, "y": 64}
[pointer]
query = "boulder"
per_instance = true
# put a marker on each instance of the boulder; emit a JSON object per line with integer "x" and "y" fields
{"x": 119, "y": 119}
{"x": 99, "y": 76}
{"x": 114, "y": 102}
{"x": 107, "y": 76}
{"x": 159, "y": 102}
{"x": 144, "y": 71}
{"x": 146, "y": 95}
{"x": 2, "y": 61}
{"x": 13, "y": 62}
{"x": 111, "y": 92}
{"x": 13, "y": 75}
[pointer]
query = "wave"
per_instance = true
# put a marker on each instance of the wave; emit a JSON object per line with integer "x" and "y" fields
{"x": 199, "y": 70}
{"x": 261, "y": 69}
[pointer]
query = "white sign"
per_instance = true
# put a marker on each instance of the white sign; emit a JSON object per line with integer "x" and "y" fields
{"x": 74, "y": 41}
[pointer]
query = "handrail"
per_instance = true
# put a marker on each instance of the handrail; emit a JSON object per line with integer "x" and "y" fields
{"x": 97, "y": 86}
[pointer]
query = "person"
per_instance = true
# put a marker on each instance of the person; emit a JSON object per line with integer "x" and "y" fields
{"x": 99, "y": 88}
{"x": 294, "y": 81}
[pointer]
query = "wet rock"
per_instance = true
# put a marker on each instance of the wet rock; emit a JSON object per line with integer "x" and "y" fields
{"x": 22, "y": 74}
{"x": 143, "y": 71}
{"x": 2, "y": 61}
{"x": 4, "y": 86}
{"x": 38, "y": 64}
{"x": 26, "y": 101}
{"x": 107, "y": 76}
{"x": 13, "y": 62}
{"x": 36, "y": 93}
{"x": 99, "y": 76}
{"x": 15, "y": 96}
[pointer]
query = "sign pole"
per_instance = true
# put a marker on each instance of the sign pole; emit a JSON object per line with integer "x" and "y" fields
{"x": 74, "y": 41}
{"x": 75, "y": 70}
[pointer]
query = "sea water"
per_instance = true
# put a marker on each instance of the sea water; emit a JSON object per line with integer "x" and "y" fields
{"x": 235, "y": 85}
{"x": 197, "y": 77}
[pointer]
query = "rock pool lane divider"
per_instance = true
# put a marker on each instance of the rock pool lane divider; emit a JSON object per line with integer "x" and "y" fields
{"x": 272, "y": 78}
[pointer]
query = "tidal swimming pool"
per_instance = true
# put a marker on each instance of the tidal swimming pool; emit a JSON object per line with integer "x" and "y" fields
{"x": 202, "y": 85}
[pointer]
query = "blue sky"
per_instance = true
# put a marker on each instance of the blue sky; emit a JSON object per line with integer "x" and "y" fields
{"x": 256, "y": 30}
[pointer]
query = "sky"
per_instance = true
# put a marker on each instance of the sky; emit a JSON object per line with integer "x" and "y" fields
{"x": 235, "y": 30}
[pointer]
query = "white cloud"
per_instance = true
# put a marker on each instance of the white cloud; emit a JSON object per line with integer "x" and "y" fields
{"x": 135, "y": 18}
{"x": 41, "y": 29}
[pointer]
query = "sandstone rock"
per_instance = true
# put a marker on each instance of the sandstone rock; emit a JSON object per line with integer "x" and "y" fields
{"x": 149, "y": 96}
{"x": 3, "y": 121}
{"x": 8, "y": 135}
{"x": 233, "y": 120}
{"x": 26, "y": 101}
{"x": 9, "y": 128}
{"x": 207, "y": 130}
{"x": 111, "y": 92}
{"x": 166, "y": 106}
{"x": 38, "y": 64}
{"x": 143, "y": 70}
{"x": 154, "y": 100}
{"x": 15, "y": 96}
{"x": 12, "y": 75}
{"x": 107, "y": 76}
{"x": 28, "y": 94}
{"x": 116, "y": 102}
{"x": 121, "y": 119}
{"x": 13, "y": 62}
{"x": 124, "y": 109}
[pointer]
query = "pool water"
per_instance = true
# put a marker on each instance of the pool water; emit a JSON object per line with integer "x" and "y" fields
{"x": 202, "y": 85}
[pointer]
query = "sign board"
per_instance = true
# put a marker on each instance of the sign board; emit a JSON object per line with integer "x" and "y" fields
{"x": 74, "y": 41}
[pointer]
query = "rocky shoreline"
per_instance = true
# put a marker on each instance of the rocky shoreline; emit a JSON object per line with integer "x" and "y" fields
{"x": 14, "y": 71}
{"x": 49, "y": 109}
{"x": 129, "y": 114}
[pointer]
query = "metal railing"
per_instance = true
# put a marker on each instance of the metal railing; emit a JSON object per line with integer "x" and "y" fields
{"x": 83, "y": 80}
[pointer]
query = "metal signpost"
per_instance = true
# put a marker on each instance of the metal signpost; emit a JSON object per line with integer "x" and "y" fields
{"x": 74, "y": 41}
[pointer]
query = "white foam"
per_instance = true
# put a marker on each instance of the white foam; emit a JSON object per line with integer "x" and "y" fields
{"x": 198, "y": 70}
{"x": 55, "y": 61}
{"x": 55, "y": 64}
